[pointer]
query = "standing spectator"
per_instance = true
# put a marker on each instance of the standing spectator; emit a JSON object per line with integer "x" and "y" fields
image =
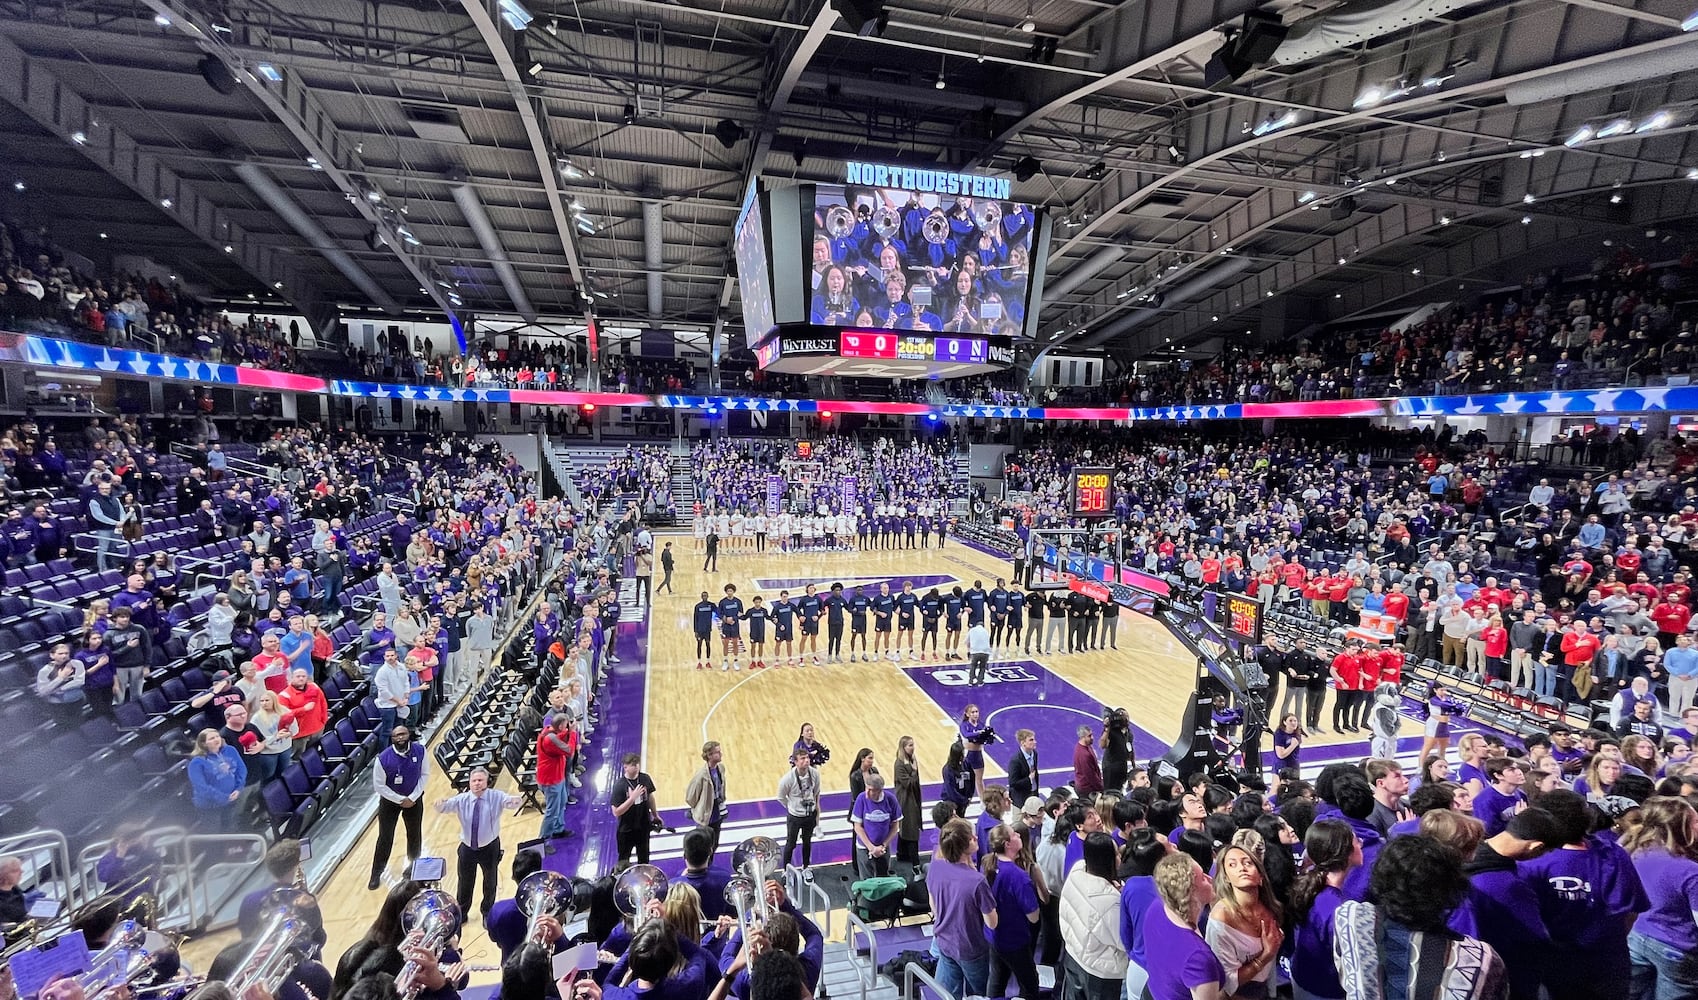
{"x": 1188, "y": 969}
{"x": 107, "y": 517}
{"x": 306, "y": 705}
{"x": 1244, "y": 923}
{"x": 644, "y": 571}
{"x": 908, "y": 800}
{"x": 479, "y": 810}
{"x": 1333, "y": 850}
{"x": 875, "y": 817}
{"x": 399, "y": 777}
{"x": 1090, "y": 924}
{"x": 632, "y": 799}
{"x": 331, "y": 565}
{"x": 1018, "y": 908}
{"x": 1663, "y": 944}
{"x": 963, "y": 907}
{"x": 666, "y": 564}
{"x": 131, "y": 650}
{"x": 556, "y": 745}
{"x": 276, "y": 730}
{"x": 705, "y": 794}
{"x": 478, "y": 643}
{"x": 1682, "y": 665}
{"x": 392, "y": 688}
{"x": 1416, "y": 884}
{"x": 217, "y": 775}
{"x": 60, "y": 681}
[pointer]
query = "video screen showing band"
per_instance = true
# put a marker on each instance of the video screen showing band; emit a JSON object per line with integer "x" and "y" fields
{"x": 754, "y": 282}
{"x": 901, "y": 260}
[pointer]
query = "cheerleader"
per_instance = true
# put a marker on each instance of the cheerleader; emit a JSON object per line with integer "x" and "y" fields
{"x": 973, "y": 750}
{"x": 1436, "y": 739}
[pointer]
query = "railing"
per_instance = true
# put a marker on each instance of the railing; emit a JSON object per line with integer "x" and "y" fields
{"x": 240, "y": 466}
{"x": 868, "y": 973}
{"x": 202, "y": 903}
{"x": 913, "y": 971}
{"x": 88, "y": 543}
{"x": 802, "y": 891}
{"x": 47, "y": 855}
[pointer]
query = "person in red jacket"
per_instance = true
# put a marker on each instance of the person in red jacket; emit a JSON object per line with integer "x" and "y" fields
{"x": 556, "y": 745}
{"x": 1346, "y": 682}
{"x": 1679, "y": 591}
{"x": 1211, "y": 571}
{"x": 1397, "y": 604}
{"x": 305, "y": 701}
{"x": 1291, "y": 577}
{"x": 1496, "y": 639}
{"x": 1579, "y": 646}
{"x": 1315, "y": 592}
{"x": 1627, "y": 563}
{"x": 1338, "y": 591}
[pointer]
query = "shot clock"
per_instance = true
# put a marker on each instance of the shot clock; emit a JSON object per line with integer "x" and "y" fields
{"x": 1093, "y": 492}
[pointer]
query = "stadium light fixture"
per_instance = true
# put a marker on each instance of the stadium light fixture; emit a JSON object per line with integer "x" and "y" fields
{"x": 1274, "y": 123}
{"x": 269, "y": 72}
{"x": 1658, "y": 121}
{"x": 1615, "y": 127}
{"x": 1691, "y": 22}
{"x": 1585, "y": 133}
{"x": 515, "y": 14}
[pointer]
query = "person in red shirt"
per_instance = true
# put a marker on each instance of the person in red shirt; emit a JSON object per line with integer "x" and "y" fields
{"x": 1678, "y": 592}
{"x": 1391, "y": 664}
{"x": 1346, "y": 682}
{"x": 1627, "y": 563}
{"x": 1496, "y": 639}
{"x": 1646, "y": 589}
{"x": 1338, "y": 591}
{"x": 1211, "y": 572}
{"x": 1397, "y": 604}
{"x": 556, "y": 745}
{"x": 1292, "y": 575}
{"x": 305, "y": 701}
{"x": 270, "y": 664}
{"x": 1578, "y": 648}
{"x": 1315, "y": 592}
{"x": 1671, "y": 620}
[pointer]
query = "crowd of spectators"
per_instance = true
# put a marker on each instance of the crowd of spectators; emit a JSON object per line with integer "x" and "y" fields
{"x": 645, "y": 473}
{"x": 734, "y": 476}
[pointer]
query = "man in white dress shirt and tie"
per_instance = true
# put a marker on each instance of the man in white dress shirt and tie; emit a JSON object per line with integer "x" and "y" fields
{"x": 479, "y": 810}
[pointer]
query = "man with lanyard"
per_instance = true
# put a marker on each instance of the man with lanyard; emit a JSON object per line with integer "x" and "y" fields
{"x": 399, "y": 778}
{"x": 632, "y": 799}
{"x": 705, "y": 794}
{"x": 479, "y": 811}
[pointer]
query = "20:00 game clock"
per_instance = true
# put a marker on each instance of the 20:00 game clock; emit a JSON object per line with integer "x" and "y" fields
{"x": 1093, "y": 492}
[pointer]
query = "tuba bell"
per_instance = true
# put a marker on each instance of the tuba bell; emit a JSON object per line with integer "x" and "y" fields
{"x": 636, "y": 887}
{"x": 936, "y": 227}
{"x": 434, "y": 918}
{"x": 987, "y": 215}
{"x": 839, "y": 221}
{"x": 755, "y": 859}
{"x": 743, "y": 897}
{"x": 542, "y": 895}
{"x": 886, "y": 222}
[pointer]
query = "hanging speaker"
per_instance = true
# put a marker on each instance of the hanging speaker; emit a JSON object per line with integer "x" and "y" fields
{"x": 217, "y": 75}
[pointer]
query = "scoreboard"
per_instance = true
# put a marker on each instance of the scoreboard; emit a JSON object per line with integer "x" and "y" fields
{"x": 1242, "y": 617}
{"x": 878, "y": 353}
{"x": 1093, "y": 492}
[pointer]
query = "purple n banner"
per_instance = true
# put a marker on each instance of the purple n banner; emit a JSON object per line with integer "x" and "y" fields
{"x": 851, "y": 492}
{"x": 774, "y": 494}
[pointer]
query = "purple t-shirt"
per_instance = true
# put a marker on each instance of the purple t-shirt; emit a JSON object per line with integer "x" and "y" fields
{"x": 960, "y": 899}
{"x": 1186, "y": 959}
{"x": 1672, "y": 887}
{"x": 1584, "y": 898}
{"x": 1491, "y": 806}
{"x": 877, "y": 817}
{"x": 1015, "y": 897}
{"x": 1312, "y": 965}
{"x": 1468, "y": 772}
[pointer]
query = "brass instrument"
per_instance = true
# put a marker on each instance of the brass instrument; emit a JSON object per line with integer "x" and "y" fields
{"x": 886, "y": 222}
{"x": 541, "y": 895}
{"x": 284, "y": 941}
{"x": 987, "y": 215}
{"x": 936, "y": 227}
{"x": 636, "y": 887}
{"x": 431, "y": 920}
{"x": 124, "y": 960}
{"x": 755, "y": 859}
{"x": 839, "y": 221}
{"x": 743, "y": 897}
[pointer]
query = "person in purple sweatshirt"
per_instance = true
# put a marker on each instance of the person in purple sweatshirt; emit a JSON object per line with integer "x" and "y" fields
{"x": 1663, "y": 945}
{"x": 1495, "y": 803}
{"x": 1588, "y": 894}
{"x": 1505, "y": 901}
{"x": 1355, "y": 800}
{"x": 1333, "y": 851}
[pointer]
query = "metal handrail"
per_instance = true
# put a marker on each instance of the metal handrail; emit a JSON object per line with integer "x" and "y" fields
{"x": 868, "y": 975}
{"x": 202, "y": 907}
{"x": 913, "y": 971}
{"x": 166, "y": 840}
{"x": 53, "y": 843}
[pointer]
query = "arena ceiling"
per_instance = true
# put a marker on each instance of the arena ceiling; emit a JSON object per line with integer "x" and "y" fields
{"x": 426, "y": 155}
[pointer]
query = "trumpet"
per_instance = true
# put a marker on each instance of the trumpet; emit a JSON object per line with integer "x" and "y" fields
{"x": 886, "y": 222}
{"x": 433, "y": 917}
{"x": 284, "y": 942}
{"x": 636, "y": 887}
{"x": 542, "y": 895}
{"x": 936, "y": 227}
{"x": 839, "y": 221}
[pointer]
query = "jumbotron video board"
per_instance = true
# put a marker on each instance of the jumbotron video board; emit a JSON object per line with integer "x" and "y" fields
{"x": 897, "y": 272}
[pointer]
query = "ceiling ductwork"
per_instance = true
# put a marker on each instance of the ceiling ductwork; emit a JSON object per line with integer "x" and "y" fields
{"x": 1183, "y": 293}
{"x": 1355, "y": 24}
{"x": 289, "y": 211}
{"x": 477, "y": 217}
{"x": 654, "y": 256}
{"x": 1082, "y": 272}
{"x": 1672, "y": 63}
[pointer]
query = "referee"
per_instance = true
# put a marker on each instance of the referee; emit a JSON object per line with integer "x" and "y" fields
{"x": 479, "y": 810}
